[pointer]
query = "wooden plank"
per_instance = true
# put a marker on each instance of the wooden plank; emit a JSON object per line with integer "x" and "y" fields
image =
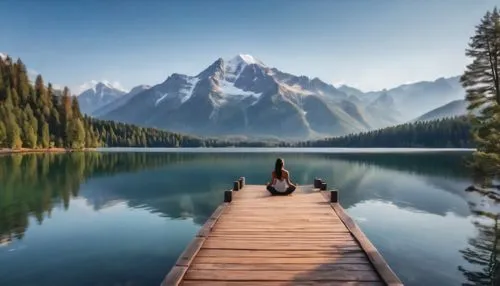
{"x": 279, "y": 283}
{"x": 282, "y": 260}
{"x": 279, "y": 204}
{"x": 297, "y": 239}
{"x": 259, "y": 239}
{"x": 275, "y": 220}
{"x": 284, "y": 213}
{"x": 190, "y": 252}
{"x": 278, "y": 226}
{"x": 324, "y": 221}
{"x": 219, "y": 211}
{"x": 285, "y": 275}
{"x": 291, "y": 231}
{"x": 277, "y": 245}
{"x": 290, "y": 222}
{"x": 212, "y": 220}
{"x": 280, "y": 253}
{"x": 283, "y": 236}
{"x": 281, "y": 267}
{"x": 378, "y": 262}
{"x": 174, "y": 277}
{"x": 270, "y": 218}
{"x": 309, "y": 207}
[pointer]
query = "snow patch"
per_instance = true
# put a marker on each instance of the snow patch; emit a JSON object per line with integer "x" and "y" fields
{"x": 193, "y": 82}
{"x": 185, "y": 92}
{"x": 93, "y": 84}
{"x": 235, "y": 66}
{"x": 248, "y": 59}
{"x": 161, "y": 99}
{"x": 3, "y": 56}
{"x": 228, "y": 88}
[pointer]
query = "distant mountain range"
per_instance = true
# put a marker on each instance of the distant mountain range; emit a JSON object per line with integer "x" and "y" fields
{"x": 120, "y": 101}
{"x": 413, "y": 100}
{"x": 244, "y": 96}
{"x": 98, "y": 95}
{"x": 452, "y": 109}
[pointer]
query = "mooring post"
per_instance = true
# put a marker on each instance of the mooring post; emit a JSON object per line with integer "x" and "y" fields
{"x": 241, "y": 180}
{"x": 228, "y": 196}
{"x": 317, "y": 183}
{"x": 334, "y": 196}
{"x": 236, "y": 185}
{"x": 323, "y": 186}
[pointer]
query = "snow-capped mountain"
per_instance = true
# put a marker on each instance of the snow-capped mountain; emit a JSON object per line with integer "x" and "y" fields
{"x": 120, "y": 101}
{"x": 3, "y": 56}
{"x": 242, "y": 95}
{"x": 97, "y": 94}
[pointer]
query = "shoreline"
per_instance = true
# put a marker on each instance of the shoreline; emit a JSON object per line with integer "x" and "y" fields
{"x": 333, "y": 150}
{"x": 41, "y": 150}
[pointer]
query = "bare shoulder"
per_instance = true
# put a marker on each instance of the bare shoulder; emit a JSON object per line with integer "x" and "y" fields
{"x": 285, "y": 173}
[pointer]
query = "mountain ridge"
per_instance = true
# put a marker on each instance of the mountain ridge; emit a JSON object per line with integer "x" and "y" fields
{"x": 97, "y": 95}
{"x": 243, "y": 96}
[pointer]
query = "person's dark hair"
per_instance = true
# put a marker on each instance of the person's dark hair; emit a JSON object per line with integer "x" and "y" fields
{"x": 278, "y": 168}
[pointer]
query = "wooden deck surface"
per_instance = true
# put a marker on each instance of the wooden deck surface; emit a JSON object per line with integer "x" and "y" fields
{"x": 302, "y": 239}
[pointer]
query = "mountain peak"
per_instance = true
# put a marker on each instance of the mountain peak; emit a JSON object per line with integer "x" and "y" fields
{"x": 244, "y": 59}
{"x": 94, "y": 85}
{"x": 3, "y": 56}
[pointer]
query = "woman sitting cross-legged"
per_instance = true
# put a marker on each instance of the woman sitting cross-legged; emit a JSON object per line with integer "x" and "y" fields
{"x": 280, "y": 182}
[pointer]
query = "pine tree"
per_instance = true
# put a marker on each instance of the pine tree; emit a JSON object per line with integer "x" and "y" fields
{"x": 65, "y": 115}
{"x": 482, "y": 84}
{"x": 22, "y": 83}
{"x": 75, "y": 108}
{"x": 13, "y": 134}
{"x": 3, "y": 134}
{"x": 29, "y": 135}
{"x": 45, "y": 138}
{"x": 77, "y": 134}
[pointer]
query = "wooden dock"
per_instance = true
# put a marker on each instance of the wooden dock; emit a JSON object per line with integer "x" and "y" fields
{"x": 303, "y": 239}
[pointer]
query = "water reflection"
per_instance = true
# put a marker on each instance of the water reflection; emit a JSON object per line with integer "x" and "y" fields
{"x": 127, "y": 216}
{"x": 33, "y": 184}
{"x": 482, "y": 254}
{"x": 178, "y": 185}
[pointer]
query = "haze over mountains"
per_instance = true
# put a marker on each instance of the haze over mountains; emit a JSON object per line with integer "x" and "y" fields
{"x": 244, "y": 96}
{"x": 454, "y": 108}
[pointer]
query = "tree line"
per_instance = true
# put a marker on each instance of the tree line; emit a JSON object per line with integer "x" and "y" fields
{"x": 37, "y": 116}
{"x": 32, "y": 116}
{"x": 441, "y": 133}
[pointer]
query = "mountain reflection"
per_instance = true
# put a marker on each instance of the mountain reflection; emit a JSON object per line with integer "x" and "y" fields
{"x": 190, "y": 185}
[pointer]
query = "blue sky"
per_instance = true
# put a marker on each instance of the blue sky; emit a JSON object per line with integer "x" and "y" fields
{"x": 369, "y": 44}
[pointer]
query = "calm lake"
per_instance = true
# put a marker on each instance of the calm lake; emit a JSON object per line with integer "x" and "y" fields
{"x": 123, "y": 217}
